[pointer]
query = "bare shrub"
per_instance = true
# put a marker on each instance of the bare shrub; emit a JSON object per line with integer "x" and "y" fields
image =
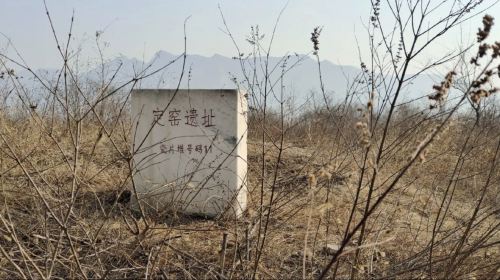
{"x": 372, "y": 186}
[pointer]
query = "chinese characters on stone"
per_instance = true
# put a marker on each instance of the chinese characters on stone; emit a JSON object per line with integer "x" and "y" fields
{"x": 185, "y": 148}
{"x": 192, "y": 117}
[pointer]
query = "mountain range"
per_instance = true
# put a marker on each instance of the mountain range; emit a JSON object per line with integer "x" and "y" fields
{"x": 301, "y": 80}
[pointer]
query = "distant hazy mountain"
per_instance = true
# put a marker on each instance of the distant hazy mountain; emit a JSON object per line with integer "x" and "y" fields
{"x": 300, "y": 81}
{"x": 218, "y": 72}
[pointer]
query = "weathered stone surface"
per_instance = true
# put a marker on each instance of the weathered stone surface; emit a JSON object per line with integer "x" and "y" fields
{"x": 190, "y": 150}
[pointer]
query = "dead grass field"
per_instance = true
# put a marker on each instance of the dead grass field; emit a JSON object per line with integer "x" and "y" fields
{"x": 371, "y": 187}
{"x": 110, "y": 241}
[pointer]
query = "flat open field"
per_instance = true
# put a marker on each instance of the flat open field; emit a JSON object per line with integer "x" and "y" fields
{"x": 60, "y": 222}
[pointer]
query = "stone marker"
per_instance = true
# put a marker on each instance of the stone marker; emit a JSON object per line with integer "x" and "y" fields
{"x": 190, "y": 150}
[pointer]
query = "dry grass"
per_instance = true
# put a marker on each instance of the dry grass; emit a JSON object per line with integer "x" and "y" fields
{"x": 370, "y": 188}
{"x": 187, "y": 247}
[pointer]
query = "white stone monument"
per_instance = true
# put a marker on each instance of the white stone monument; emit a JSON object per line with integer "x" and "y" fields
{"x": 190, "y": 150}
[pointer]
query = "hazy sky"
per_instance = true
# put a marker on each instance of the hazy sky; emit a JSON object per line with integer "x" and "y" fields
{"x": 141, "y": 28}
